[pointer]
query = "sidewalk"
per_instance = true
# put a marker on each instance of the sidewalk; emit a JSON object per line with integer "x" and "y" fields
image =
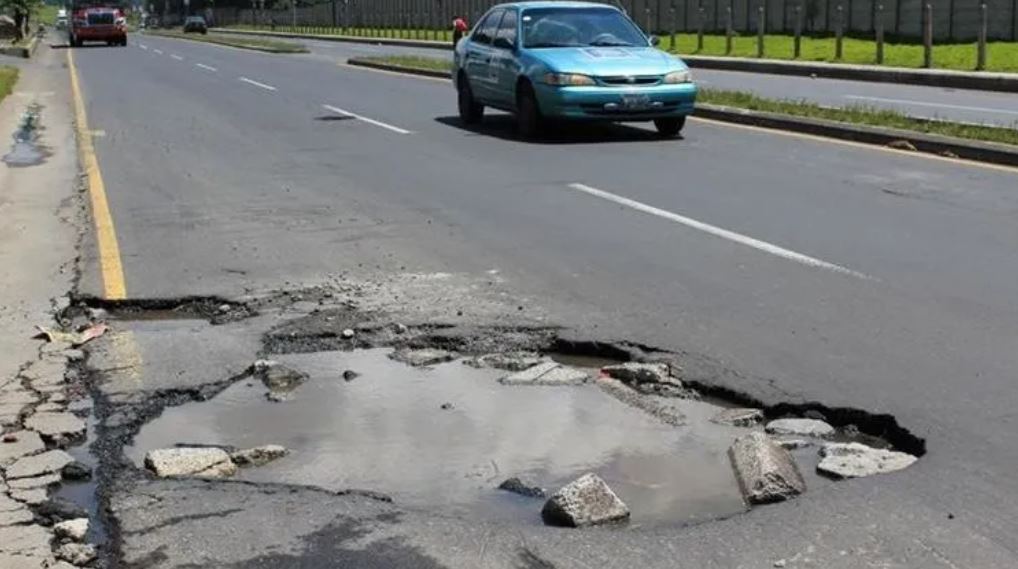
{"x": 39, "y": 221}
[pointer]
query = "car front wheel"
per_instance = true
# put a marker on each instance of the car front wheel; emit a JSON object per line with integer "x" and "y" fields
{"x": 470, "y": 110}
{"x": 670, "y": 127}
{"x": 529, "y": 121}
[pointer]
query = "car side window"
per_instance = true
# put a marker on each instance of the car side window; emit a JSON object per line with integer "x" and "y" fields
{"x": 487, "y": 28}
{"x": 506, "y": 35}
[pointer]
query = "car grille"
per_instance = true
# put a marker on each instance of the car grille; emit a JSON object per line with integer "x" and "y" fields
{"x": 630, "y": 80}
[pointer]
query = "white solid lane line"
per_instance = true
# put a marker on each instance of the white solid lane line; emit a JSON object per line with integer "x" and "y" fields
{"x": 177, "y": 57}
{"x": 206, "y": 67}
{"x": 159, "y": 51}
{"x": 381, "y": 124}
{"x": 257, "y": 84}
{"x": 925, "y": 104}
{"x": 718, "y": 232}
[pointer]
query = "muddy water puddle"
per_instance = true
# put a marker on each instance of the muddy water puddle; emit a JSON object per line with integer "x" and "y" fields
{"x": 26, "y": 150}
{"x": 387, "y": 431}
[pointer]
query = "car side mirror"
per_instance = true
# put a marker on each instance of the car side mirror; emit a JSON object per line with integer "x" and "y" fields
{"x": 503, "y": 43}
{"x": 655, "y": 41}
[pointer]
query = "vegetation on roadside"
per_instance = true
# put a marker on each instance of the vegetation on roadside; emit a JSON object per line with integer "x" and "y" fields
{"x": 860, "y": 115}
{"x": 8, "y": 77}
{"x": 47, "y": 14}
{"x": 243, "y": 42}
{"x": 1000, "y": 56}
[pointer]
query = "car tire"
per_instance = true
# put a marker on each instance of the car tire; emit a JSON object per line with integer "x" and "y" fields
{"x": 471, "y": 112}
{"x": 529, "y": 121}
{"x": 670, "y": 127}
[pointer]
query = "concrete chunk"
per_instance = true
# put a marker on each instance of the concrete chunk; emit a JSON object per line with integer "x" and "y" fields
{"x": 853, "y": 460}
{"x": 31, "y": 496}
{"x": 636, "y": 373}
{"x": 548, "y": 373}
{"x": 423, "y": 357}
{"x": 204, "y": 462}
{"x": 79, "y": 554}
{"x": 800, "y": 427}
{"x": 258, "y": 456}
{"x": 584, "y": 502}
{"x": 39, "y": 464}
{"x": 739, "y": 417}
{"x": 766, "y": 472}
{"x": 34, "y": 482}
{"x": 75, "y": 529}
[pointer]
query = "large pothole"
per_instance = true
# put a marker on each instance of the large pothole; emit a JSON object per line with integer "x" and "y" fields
{"x": 444, "y": 438}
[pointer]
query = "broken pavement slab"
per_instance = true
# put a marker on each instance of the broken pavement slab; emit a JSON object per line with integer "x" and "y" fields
{"x": 584, "y": 502}
{"x": 40, "y": 482}
{"x": 204, "y": 462}
{"x": 37, "y": 465}
{"x": 508, "y": 361}
{"x": 25, "y": 443}
{"x": 800, "y": 427}
{"x": 766, "y": 472}
{"x": 75, "y": 529}
{"x": 16, "y": 517}
{"x": 523, "y": 488}
{"x": 31, "y": 540}
{"x": 635, "y": 373}
{"x": 56, "y": 426}
{"x": 854, "y": 460}
{"x": 548, "y": 373}
{"x": 258, "y": 456}
{"x": 30, "y": 496}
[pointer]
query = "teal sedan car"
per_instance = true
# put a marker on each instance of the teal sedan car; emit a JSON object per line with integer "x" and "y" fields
{"x": 572, "y": 61}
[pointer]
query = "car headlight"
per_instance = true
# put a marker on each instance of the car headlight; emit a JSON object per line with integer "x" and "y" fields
{"x": 676, "y": 77}
{"x": 568, "y": 79}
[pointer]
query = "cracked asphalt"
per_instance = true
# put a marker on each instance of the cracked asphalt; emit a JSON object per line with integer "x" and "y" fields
{"x": 224, "y": 190}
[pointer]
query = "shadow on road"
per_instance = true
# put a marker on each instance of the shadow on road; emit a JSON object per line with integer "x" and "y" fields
{"x": 503, "y": 126}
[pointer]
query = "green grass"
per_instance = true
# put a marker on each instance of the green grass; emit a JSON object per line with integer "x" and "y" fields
{"x": 261, "y": 44}
{"x": 47, "y": 14}
{"x": 1000, "y": 56}
{"x": 8, "y": 77}
{"x": 852, "y": 114}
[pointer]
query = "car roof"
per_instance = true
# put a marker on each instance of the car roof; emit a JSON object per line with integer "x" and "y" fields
{"x": 554, "y": 4}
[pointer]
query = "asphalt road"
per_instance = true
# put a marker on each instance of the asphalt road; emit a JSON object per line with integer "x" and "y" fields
{"x": 980, "y": 107}
{"x": 786, "y": 267}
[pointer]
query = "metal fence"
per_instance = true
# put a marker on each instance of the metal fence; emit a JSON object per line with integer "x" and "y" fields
{"x": 953, "y": 20}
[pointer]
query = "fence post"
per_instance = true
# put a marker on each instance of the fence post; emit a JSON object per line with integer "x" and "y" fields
{"x": 839, "y": 32}
{"x": 699, "y": 29}
{"x": 728, "y": 30}
{"x": 981, "y": 49}
{"x": 927, "y": 35}
{"x": 797, "y": 44}
{"x": 878, "y": 25}
{"x": 647, "y": 13}
{"x": 760, "y": 25}
{"x": 671, "y": 28}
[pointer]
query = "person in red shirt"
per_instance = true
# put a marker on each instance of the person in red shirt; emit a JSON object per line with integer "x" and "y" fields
{"x": 459, "y": 27}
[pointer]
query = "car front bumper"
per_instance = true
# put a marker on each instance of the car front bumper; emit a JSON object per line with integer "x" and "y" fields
{"x": 99, "y": 33}
{"x": 616, "y": 103}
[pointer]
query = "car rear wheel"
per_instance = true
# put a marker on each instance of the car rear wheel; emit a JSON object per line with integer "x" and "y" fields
{"x": 671, "y": 127}
{"x": 471, "y": 112}
{"x": 529, "y": 121}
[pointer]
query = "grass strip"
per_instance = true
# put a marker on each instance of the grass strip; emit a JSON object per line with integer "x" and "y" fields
{"x": 1001, "y": 56}
{"x": 8, "y": 77}
{"x": 859, "y": 115}
{"x": 258, "y": 44}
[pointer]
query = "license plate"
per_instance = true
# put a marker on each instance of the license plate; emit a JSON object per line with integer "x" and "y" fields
{"x": 635, "y": 102}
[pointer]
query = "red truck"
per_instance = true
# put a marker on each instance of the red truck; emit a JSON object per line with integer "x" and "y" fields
{"x": 97, "y": 22}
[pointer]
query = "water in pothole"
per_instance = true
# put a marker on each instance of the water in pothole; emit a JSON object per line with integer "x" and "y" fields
{"x": 83, "y": 492}
{"x": 387, "y": 431}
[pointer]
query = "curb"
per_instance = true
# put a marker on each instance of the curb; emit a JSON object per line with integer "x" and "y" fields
{"x": 399, "y": 68}
{"x": 23, "y": 52}
{"x": 974, "y": 150}
{"x": 250, "y": 48}
{"x": 969, "y": 80}
{"x": 427, "y": 44}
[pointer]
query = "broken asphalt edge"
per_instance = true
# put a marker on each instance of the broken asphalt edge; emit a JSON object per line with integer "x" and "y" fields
{"x": 943, "y": 146}
{"x": 945, "y": 78}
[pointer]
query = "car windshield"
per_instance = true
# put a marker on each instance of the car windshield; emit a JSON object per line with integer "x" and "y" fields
{"x": 194, "y": 20}
{"x": 579, "y": 27}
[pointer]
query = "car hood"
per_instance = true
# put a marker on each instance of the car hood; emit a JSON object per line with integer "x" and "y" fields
{"x": 602, "y": 61}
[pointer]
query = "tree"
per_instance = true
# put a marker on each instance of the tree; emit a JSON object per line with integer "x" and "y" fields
{"x": 21, "y": 11}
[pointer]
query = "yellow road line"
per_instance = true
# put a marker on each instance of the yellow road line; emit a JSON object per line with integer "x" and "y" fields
{"x": 114, "y": 287}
